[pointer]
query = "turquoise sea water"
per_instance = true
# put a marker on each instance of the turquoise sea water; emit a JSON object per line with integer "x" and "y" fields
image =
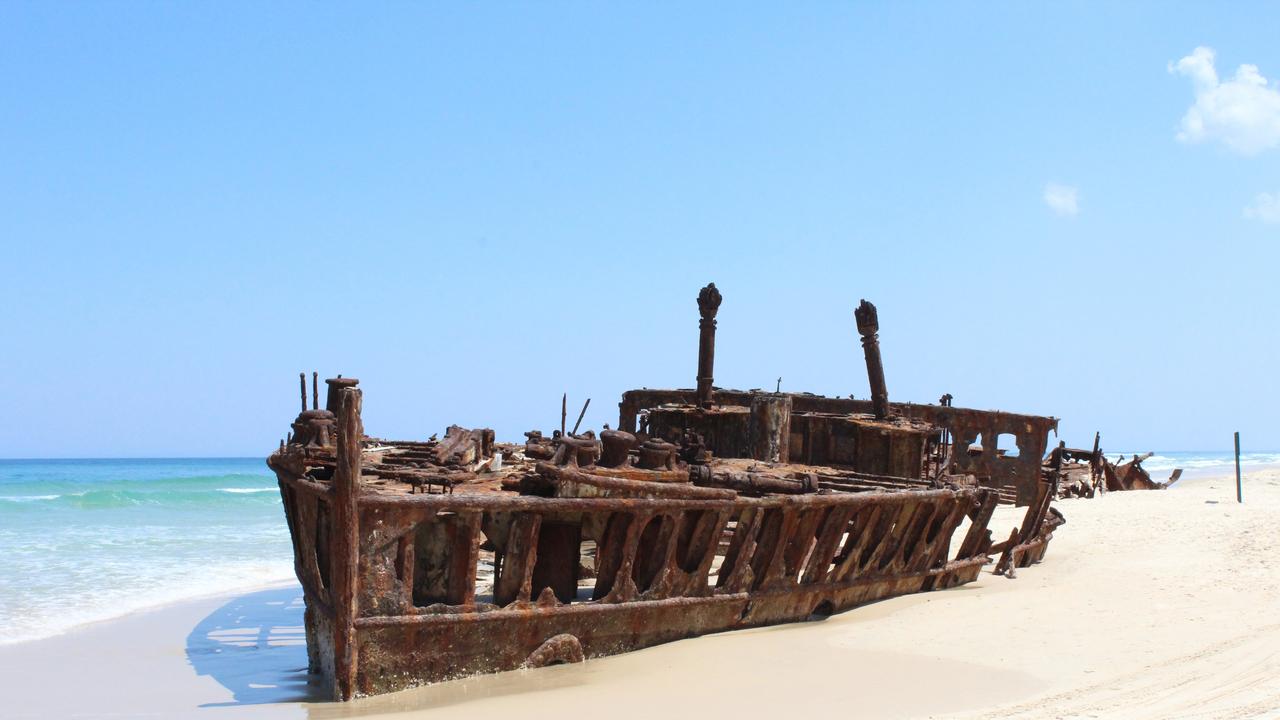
{"x": 1199, "y": 464}
{"x": 86, "y": 540}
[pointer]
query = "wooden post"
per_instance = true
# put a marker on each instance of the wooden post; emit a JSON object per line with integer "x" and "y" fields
{"x": 302, "y": 380}
{"x": 315, "y": 390}
{"x": 1239, "y": 489}
{"x": 345, "y": 545}
{"x": 564, "y": 411}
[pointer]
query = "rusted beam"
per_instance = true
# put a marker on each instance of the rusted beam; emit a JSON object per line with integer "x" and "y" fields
{"x": 833, "y": 529}
{"x": 861, "y": 531}
{"x": 978, "y": 534}
{"x": 345, "y": 542}
{"x": 735, "y": 570}
{"x": 497, "y": 503}
{"x": 416, "y": 477}
{"x": 515, "y": 581}
{"x": 1095, "y": 461}
{"x": 580, "y": 416}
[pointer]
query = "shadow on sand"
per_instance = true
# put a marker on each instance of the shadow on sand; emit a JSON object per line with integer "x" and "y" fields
{"x": 255, "y": 646}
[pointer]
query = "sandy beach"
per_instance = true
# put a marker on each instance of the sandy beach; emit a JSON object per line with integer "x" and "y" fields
{"x": 1149, "y": 605}
{"x": 629, "y": 361}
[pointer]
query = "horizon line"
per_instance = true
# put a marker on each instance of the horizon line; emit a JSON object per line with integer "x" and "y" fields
{"x": 264, "y": 457}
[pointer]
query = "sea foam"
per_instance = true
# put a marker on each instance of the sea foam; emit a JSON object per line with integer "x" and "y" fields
{"x": 85, "y": 540}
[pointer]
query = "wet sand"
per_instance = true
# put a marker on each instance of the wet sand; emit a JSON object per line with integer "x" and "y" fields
{"x": 1149, "y": 604}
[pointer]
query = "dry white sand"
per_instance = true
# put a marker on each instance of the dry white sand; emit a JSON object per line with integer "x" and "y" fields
{"x": 1149, "y": 605}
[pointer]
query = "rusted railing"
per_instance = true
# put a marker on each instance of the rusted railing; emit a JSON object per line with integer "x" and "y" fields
{"x": 397, "y": 596}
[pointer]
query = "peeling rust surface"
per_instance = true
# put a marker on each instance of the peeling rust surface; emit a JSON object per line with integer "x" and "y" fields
{"x": 705, "y": 510}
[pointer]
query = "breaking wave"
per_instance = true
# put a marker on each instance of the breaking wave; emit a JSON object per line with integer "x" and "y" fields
{"x": 88, "y": 540}
{"x": 1200, "y": 463}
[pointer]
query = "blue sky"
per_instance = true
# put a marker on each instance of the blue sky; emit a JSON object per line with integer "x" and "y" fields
{"x": 476, "y": 209}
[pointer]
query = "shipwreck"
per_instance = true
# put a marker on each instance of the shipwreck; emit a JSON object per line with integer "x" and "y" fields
{"x": 704, "y": 510}
{"x": 1084, "y": 473}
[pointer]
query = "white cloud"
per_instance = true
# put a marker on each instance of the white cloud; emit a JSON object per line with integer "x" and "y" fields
{"x": 1243, "y": 112}
{"x": 1062, "y": 199}
{"x": 1265, "y": 207}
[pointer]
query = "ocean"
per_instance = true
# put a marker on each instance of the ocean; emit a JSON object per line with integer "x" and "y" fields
{"x": 1200, "y": 464}
{"x": 88, "y": 540}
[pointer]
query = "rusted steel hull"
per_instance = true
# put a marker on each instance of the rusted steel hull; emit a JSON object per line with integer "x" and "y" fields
{"x": 665, "y": 569}
{"x": 423, "y": 561}
{"x": 1129, "y": 475}
{"x": 390, "y": 648}
{"x": 1025, "y": 553}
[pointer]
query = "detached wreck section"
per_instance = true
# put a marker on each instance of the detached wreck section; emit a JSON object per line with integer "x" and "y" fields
{"x": 704, "y": 510}
{"x": 1084, "y": 473}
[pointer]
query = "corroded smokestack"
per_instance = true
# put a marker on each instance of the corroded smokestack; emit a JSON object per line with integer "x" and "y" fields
{"x": 708, "y": 303}
{"x": 868, "y": 326}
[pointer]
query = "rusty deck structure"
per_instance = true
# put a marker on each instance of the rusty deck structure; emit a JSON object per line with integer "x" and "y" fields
{"x": 705, "y": 510}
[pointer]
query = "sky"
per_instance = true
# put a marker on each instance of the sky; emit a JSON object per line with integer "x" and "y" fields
{"x": 1067, "y": 209}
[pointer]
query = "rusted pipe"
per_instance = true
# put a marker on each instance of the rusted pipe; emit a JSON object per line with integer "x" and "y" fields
{"x": 635, "y": 487}
{"x": 753, "y": 482}
{"x": 708, "y": 303}
{"x": 868, "y": 327}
